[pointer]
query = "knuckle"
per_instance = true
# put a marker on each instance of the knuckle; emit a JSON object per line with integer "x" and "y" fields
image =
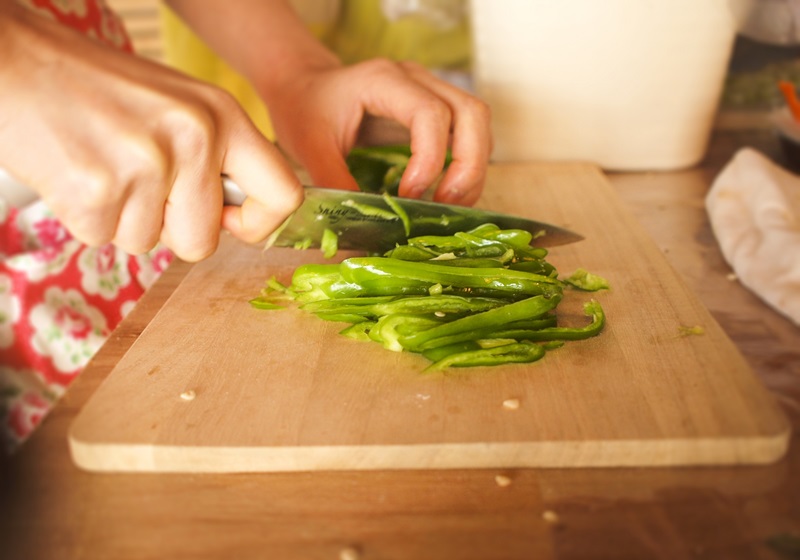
{"x": 218, "y": 97}
{"x": 91, "y": 189}
{"x": 437, "y": 109}
{"x": 190, "y": 127}
{"x": 379, "y": 65}
{"x": 479, "y": 107}
{"x": 145, "y": 163}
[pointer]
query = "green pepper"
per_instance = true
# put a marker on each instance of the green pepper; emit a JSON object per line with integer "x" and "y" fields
{"x": 379, "y": 169}
{"x": 441, "y": 352}
{"x": 309, "y": 281}
{"x": 389, "y": 329}
{"x": 512, "y": 283}
{"x": 480, "y": 297}
{"x": 410, "y": 253}
{"x": 516, "y": 332}
{"x": 591, "y": 309}
{"x": 493, "y": 318}
{"x": 471, "y": 262}
{"x": 264, "y": 303}
{"x": 400, "y": 211}
{"x": 515, "y": 353}
{"x": 358, "y": 331}
{"x": 329, "y": 243}
{"x": 584, "y": 280}
{"x": 535, "y": 266}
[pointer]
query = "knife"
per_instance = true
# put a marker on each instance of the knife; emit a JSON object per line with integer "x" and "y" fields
{"x": 376, "y": 223}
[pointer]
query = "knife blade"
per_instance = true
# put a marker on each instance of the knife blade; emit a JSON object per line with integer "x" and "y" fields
{"x": 375, "y": 223}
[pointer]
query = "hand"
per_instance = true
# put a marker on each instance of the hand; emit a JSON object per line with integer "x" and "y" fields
{"x": 127, "y": 151}
{"x": 317, "y": 115}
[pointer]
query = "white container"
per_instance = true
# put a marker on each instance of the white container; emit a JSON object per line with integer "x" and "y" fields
{"x": 626, "y": 84}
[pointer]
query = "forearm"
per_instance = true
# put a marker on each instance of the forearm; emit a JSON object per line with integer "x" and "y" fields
{"x": 265, "y": 40}
{"x": 317, "y": 105}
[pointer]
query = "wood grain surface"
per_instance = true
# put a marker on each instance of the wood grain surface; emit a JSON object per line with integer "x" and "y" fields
{"x": 282, "y": 391}
{"x": 49, "y": 508}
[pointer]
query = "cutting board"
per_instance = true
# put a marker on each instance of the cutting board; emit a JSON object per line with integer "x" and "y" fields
{"x": 283, "y": 391}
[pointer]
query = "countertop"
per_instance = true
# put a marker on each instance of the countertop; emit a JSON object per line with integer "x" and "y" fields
{"x": 50, "y": 509}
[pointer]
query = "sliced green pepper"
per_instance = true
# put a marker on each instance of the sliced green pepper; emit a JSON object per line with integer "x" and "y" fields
{"x": 494, "y": 318}
{"x": 360, "y": 270}
{"x": 481, "y": 297}
{"x": 515, "y": 353}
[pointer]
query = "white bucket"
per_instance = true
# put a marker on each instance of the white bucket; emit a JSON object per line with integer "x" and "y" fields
{"x": 626, "y": 84}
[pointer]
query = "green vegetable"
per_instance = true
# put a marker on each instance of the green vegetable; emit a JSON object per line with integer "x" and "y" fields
{"x": 263, "y": 303}
{"x": 478, "y": 298}
{"x": 378, "y": 169}
{"x": 585, "y": 280}
{"x": 691, "y": 331}
{"x": 303, "y": 244}
{"x": 514, "y": 353}
{"x": 493, "y": 319}
{"x": 401, "y": 213}
{"x": 329, "y": 243}
{"x": 368, "y": 210}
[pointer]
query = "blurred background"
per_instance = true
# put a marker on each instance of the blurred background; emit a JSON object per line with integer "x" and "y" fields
{"x": 437, "y": 33}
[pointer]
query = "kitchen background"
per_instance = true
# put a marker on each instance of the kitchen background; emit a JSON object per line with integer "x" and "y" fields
{"x": 767, "y": 50}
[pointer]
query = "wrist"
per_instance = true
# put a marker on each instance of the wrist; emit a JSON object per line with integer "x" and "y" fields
{"x": 293, "y": 67}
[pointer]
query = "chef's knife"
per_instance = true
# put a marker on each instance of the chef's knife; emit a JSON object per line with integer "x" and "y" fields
{"x": 373, "y": 223}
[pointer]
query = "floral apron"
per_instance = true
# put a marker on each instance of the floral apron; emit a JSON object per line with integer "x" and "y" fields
{"x": 59, "y": 299}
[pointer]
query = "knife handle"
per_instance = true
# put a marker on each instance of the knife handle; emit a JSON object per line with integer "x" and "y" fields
{"x": 232, "y": 195}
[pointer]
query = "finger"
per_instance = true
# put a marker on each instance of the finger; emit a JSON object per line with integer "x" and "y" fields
{"x": 142, "y": 218}
{"x": 192, "y": 213}
{"x": 91, "y": 217}
{"x": 272, "y": 188}
{"x": 426, "y": 115}
{"x": 471, "y": 139}
{"x": 325, "y": 163}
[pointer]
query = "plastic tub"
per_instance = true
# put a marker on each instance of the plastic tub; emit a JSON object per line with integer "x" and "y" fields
{"x": 627, "y": 84}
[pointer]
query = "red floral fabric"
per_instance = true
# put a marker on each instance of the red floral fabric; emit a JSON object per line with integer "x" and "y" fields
{"x": 91, "y": 17}
{"x": 59, "y": 299}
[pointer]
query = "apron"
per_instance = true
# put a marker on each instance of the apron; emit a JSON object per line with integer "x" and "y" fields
{"x": 59, "y": 299}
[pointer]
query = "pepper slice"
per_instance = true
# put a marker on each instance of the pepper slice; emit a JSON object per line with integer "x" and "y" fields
{"x": 515, "y": 353}
{"x": 494, "y": 318}
{"x": 512, "y": 283}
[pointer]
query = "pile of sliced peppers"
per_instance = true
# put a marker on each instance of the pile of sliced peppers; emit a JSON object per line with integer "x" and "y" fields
{"x": 479, "y": 298}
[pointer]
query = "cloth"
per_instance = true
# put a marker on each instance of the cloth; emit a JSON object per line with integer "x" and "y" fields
{"x": 754, "y": 209}
{"x": 59, "y": 299}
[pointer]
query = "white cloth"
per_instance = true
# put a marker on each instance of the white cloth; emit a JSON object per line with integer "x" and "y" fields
{"x": 754, "y": 208}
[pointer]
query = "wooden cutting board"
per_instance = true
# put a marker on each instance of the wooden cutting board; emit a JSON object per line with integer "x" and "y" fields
{"x": 283, "y": 391}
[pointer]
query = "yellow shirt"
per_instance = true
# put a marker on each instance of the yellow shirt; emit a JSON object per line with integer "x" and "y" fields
{"x": 434, "y": 33}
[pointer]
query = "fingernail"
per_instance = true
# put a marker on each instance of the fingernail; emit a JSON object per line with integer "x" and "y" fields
{"x": 416, "y": 191}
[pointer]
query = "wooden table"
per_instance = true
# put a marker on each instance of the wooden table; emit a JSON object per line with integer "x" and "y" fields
{"x": 51, "y": 510}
